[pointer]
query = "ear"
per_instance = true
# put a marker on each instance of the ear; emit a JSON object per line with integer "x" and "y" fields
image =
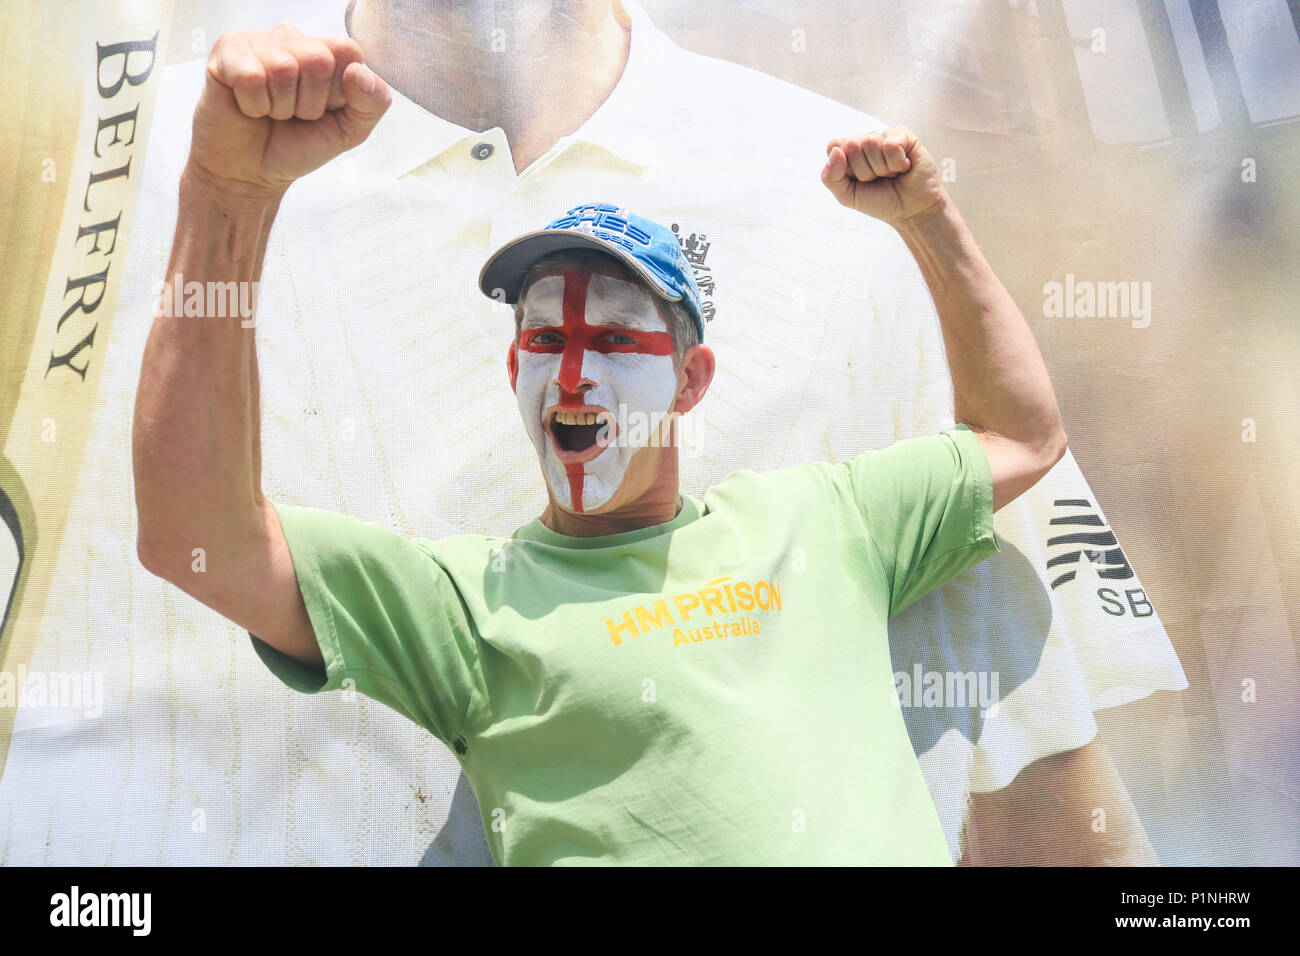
{"x": 694, "y": 375}
{"x": 512, "y": 365}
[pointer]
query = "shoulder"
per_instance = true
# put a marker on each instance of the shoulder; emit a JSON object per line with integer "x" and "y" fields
{"x": 795, "y": 488}
{"x": 718, "y": 87}
{"x": 725, "y": 113}
{"x": 363, "y": 540}
{"x": 462, "y": 550}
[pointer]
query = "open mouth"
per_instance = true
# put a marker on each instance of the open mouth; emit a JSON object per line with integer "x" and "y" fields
{"x": 577, "y": 432}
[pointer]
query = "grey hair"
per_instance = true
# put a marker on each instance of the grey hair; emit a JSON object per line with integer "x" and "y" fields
{"x": 676, "y": 315}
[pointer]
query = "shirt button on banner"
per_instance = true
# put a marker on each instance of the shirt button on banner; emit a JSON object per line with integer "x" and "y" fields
{"x": 482, "y": 150}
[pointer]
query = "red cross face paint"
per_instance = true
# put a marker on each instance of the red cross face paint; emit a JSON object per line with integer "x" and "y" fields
{"x": 588, "y": 344}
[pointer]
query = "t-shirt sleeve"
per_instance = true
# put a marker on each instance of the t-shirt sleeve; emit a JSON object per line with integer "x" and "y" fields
{"x": 388, "y": 618}
{"x": 928, "y": 508}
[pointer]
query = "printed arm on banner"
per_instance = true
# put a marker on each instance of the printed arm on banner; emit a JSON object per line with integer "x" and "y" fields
{"x": 1000, "y": 385}
{"x": 276, "y": 105}
{"x": 1002, "y": 391}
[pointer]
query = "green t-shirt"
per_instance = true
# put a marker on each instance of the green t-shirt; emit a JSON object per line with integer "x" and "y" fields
{"x": 713, "y": 690}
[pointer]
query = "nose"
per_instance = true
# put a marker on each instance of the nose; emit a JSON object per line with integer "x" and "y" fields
{"x": 570, "y": 378}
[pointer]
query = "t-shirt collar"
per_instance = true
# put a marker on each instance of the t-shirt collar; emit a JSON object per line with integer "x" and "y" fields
{"x": 621, "y": 124}
{"x": 536, "y": 531}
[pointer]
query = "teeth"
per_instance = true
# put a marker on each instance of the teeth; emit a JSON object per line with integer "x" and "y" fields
{"x": 575, "y": 418}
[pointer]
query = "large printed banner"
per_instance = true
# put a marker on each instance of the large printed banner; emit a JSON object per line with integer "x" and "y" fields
{"x": 1118, "y": 684}
{"x": 85, "y": 78}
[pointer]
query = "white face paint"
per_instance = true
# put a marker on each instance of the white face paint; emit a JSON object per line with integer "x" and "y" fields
{"x": 612, "y": 314}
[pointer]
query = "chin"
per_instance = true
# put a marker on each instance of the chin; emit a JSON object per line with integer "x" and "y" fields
{"x": 602, "y": 481}
{"x": 603, "y": 509}
{"x": 603, "y": 490}
{"x": 594, "y": 502}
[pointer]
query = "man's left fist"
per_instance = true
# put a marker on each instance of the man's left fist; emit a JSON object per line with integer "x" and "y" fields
{"x": 889, "y": 176}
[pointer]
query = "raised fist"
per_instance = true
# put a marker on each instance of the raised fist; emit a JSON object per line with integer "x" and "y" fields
{"x": 889, "y": 176}
{"x": 279, "y": 104}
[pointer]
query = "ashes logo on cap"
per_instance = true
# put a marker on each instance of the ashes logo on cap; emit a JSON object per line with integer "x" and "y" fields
{"x": 651, "y": 250}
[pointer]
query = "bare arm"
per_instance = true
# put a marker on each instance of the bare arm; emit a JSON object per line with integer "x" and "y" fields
{"x": 196, "y": 438}
{"x": 276, "y": 105}
{"x": 1000, "y": 385}
{"x": 1047, "y": 816}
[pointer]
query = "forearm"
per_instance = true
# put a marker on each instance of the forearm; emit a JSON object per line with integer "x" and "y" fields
{"x": 1000, "y": 384}
{"x": 196, "y": 439}
{"x": 1048, "y": 816}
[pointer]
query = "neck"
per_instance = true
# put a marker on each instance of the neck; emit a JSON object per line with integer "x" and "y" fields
{"x": 538, "y": 70}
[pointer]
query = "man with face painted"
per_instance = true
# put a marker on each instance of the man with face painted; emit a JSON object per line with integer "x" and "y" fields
{"x": 599, "y": 376}
{"x": 639, "y": 675}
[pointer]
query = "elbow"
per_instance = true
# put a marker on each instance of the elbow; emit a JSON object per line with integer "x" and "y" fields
{"x": 149, "y": 523}
{"x": 178, "y": 550}
{"x": 157, "y": 552}
{"x": 1049, "y": 450}
{"x": 171, "y": 563}
{"x": 147, "y": 553}
{"x": 1056, "y": 445}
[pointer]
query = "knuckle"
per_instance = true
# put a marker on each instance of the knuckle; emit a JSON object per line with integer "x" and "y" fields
{"x": 282, "y": 70}
{"x": 347, "y": 48}
{"x": 248, "y": 79}
{"x": 317, "y": 62}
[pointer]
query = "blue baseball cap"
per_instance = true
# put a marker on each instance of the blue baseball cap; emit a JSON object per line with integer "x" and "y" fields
{"x": 647, "y": 248}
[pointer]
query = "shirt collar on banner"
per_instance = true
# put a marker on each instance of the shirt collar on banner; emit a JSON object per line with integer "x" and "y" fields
{"x": 624, "y": 124}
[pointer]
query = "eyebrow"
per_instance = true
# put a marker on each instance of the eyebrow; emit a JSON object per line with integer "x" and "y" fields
{"x": 623, "y": 320}
{"x": 536, "y": 319}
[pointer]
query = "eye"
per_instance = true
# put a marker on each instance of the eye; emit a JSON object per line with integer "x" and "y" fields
{"x": 620, "y": 338}
{"x": 545, "y": 338}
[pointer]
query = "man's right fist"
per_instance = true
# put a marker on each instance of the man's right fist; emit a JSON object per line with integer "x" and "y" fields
{"x": 277, "y": 105}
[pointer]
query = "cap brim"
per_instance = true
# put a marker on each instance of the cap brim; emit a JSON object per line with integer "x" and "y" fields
{"x": 504, "y": 271}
